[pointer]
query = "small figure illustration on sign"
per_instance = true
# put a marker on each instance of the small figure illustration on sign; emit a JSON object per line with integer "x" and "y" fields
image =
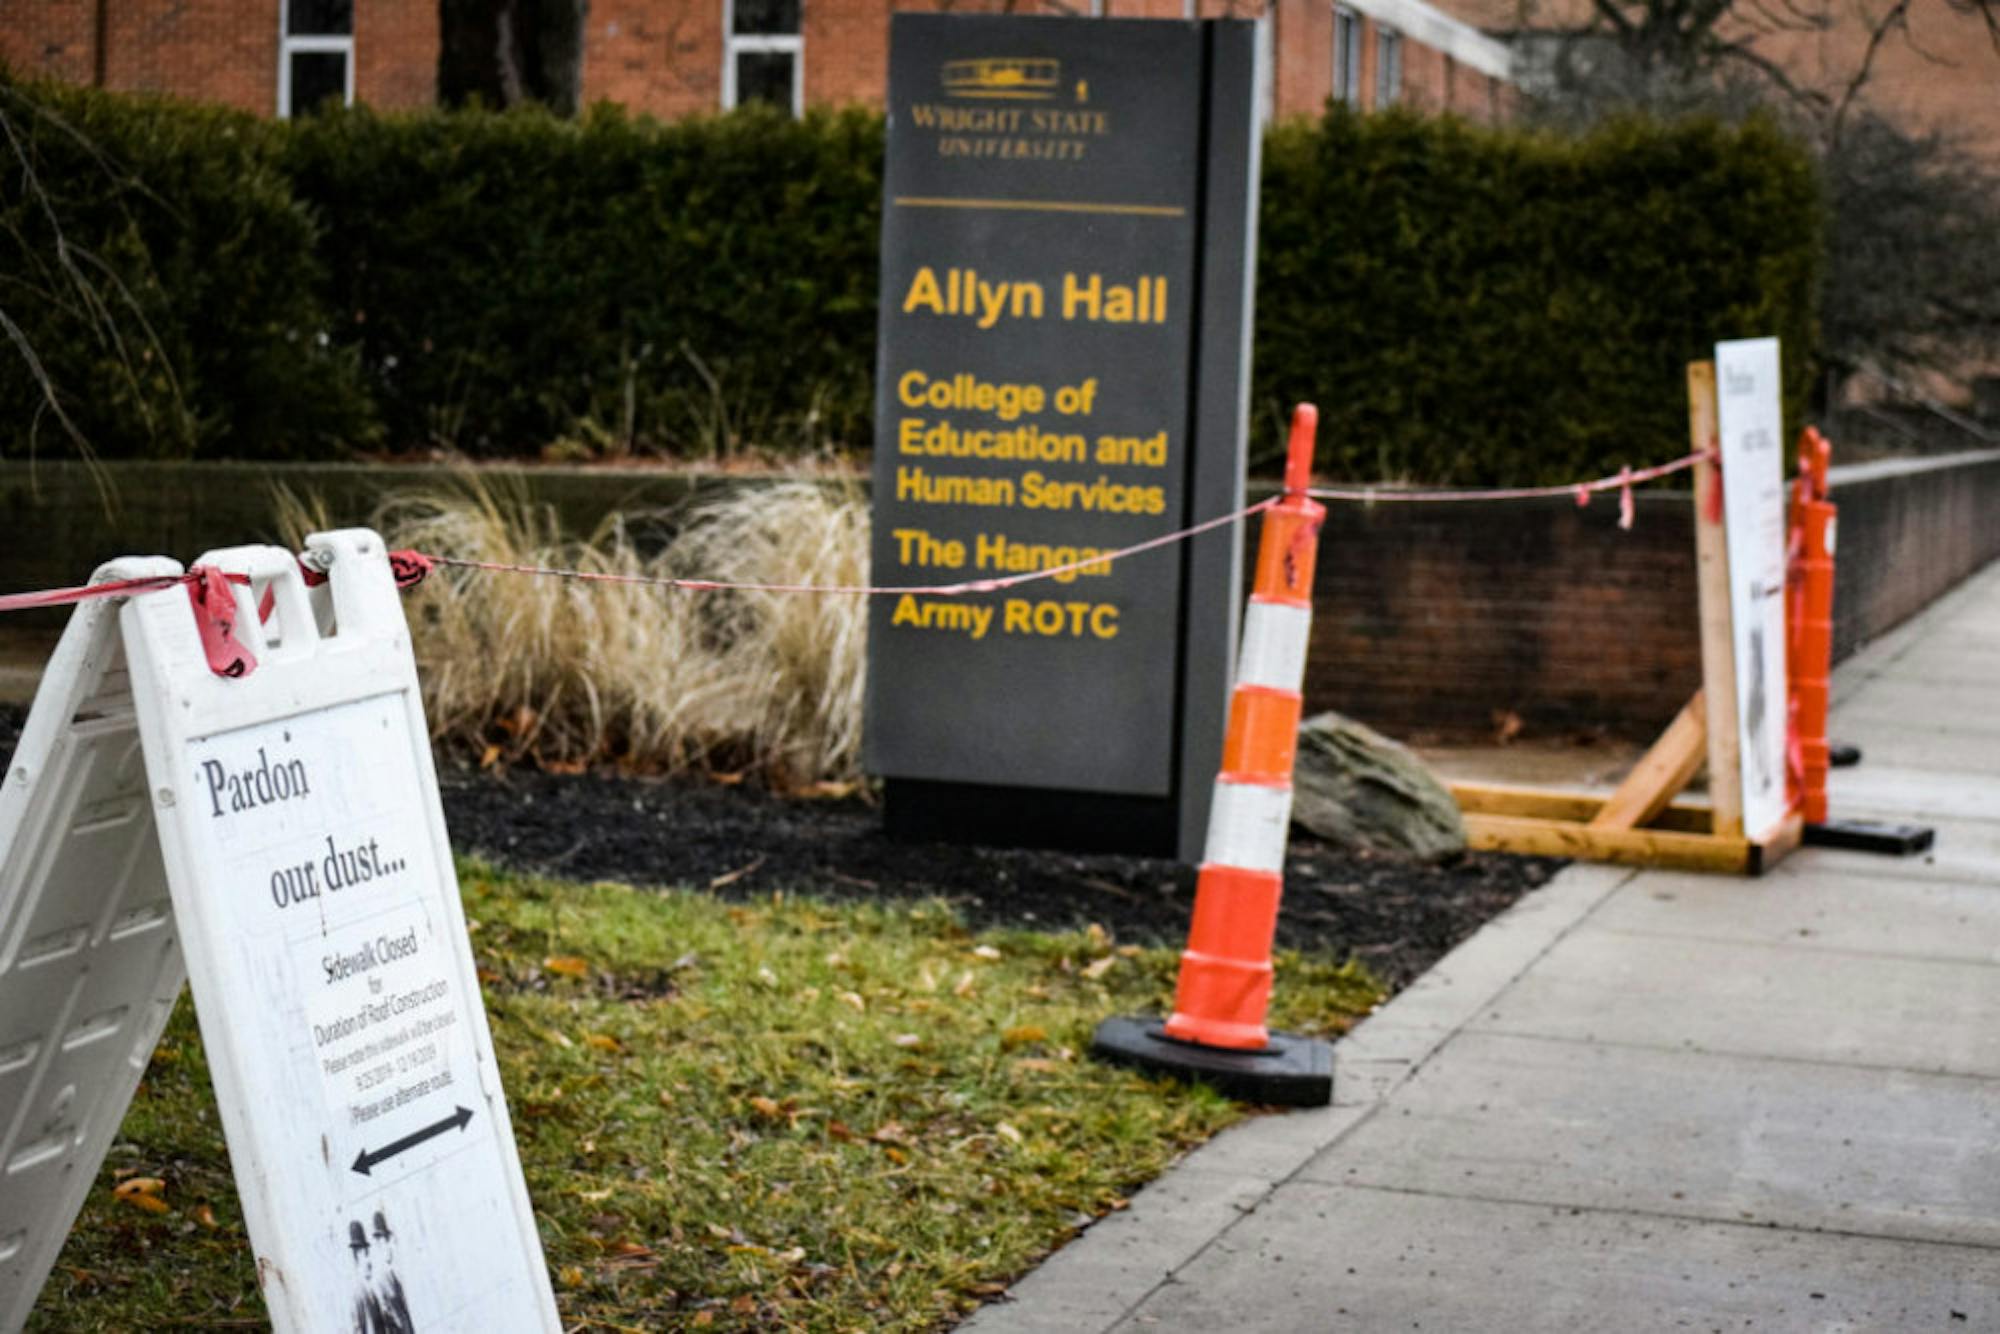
{"x": 380, "y": 1304}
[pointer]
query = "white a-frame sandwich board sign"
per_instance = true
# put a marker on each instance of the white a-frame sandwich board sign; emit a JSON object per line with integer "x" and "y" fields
{"x": 282, "y": 832}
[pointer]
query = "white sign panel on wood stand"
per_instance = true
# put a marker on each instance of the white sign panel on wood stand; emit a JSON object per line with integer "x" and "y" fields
{"x": 282, "y": 832}
{"x": 1750, "y": 422}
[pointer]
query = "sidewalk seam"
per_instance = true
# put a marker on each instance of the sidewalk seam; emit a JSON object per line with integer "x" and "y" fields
{"x": 1758, "y": 1225}
{"x": 1764, "y": 1058}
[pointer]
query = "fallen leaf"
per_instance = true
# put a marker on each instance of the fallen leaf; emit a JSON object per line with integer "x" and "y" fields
{"x": 831, "y": 789}
{"x": 896, "y": 1155}
{"x": 768, "y": 1108}
{"x": 1099, "y": 938}
{"x": 907, "y": 1040}
{"x": 890, "y": 1132}
{"x": 567, "y": 965}
{"x": 143, "y": 1193}
{"x": 1008, "y": 1133}
{"x": 840, "y": 1130}
{"x": 704, "y": 1319}
{"x": 603, "y": 1042}
{"x": 1100, "y": 968}
{"x": 963, "y": 987}
{"x": 767, "y": 977}
{"x": 206, "y": 1217}
{"x": 489, "y": 757}
{"x": 854, "y": 998}
{"x": 593, "y": 1196}
{"x": 985, "y": 952}
{"x": 1023, "y": 1034}
{"x": 744, "y": 1305}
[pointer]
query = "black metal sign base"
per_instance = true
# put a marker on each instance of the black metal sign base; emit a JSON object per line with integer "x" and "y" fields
{"x": 1292, "y": 1072}
{"x": 915, "y": 810}
{"x": 1892, "y": 840}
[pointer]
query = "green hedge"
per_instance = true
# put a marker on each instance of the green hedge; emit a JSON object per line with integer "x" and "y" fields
{"x": 156, "y": 262}
{"x": 1477, "y": 305}
{"x": 1464, "y": 304}
{"x": 515, "y": 279}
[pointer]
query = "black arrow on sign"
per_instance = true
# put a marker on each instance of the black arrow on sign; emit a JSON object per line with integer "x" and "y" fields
{"x": 369, "y": 1157}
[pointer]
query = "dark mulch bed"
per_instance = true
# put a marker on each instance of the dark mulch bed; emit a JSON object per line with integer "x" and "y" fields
{"x": 1396, "y": 915}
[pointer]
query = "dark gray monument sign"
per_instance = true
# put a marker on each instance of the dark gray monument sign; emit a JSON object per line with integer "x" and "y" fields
{"x": 1066, "y": 266}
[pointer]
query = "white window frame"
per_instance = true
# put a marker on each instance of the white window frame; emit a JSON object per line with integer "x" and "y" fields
{"x": 1346, "y": 56}
{"x": 733, "y": 45}
{"x": 1388, "y": 66}
{"x": 309, "y": 44}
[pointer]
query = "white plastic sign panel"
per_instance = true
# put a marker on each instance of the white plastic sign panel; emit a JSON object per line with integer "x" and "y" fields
{"x": 319, "y": 912}
{"x": 1750, "y": 420}
{"x": 89, "y": 967}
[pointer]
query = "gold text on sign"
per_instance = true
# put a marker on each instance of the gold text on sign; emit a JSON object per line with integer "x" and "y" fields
{"x": 963, "y": 294}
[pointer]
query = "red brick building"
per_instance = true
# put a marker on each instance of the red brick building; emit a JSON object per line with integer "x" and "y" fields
{"x": 683, "y": 57}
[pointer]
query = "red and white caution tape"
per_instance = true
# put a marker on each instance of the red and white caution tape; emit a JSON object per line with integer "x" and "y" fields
{"x": 856, "y": 590}
{"x": 1622, "y": 483}
{"x": 411, "y": 567}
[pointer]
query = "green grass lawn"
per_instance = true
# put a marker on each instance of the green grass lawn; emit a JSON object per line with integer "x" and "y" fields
{"x": 791, "y": 1114}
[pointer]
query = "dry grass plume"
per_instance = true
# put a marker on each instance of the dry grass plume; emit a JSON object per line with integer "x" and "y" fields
{"x": 566, "y": 673}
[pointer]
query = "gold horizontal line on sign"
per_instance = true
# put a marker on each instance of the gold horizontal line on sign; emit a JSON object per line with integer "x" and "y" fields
{"x": 1040, "y": 206}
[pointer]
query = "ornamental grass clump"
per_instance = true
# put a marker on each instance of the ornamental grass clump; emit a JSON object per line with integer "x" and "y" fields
{"x": 567, "y": 672}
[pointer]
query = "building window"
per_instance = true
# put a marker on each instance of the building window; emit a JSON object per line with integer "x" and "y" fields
{"x": 1346, "y": 55}
{"x": 763, "y": 57}
{"x": 315, "y": 55}
{"x": 1388, "y": 66}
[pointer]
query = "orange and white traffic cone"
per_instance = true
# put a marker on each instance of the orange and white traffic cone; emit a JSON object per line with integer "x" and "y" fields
{"x": 1216, "y": 1033}
{"x": 1809, "y": 650}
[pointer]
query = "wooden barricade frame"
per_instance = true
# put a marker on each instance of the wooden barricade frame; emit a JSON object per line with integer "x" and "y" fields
{"x": 1643, "y": 822}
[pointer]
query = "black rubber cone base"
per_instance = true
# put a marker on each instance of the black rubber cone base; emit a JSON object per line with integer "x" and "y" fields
{"x": 1291, "y": 1072}
{"x": 1895, "y": 840}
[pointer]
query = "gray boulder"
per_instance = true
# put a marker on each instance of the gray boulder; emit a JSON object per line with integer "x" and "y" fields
{"x": 1355, "y": 787}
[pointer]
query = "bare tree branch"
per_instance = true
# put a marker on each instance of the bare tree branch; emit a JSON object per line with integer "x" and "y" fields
{"x": 1898, "y": 18}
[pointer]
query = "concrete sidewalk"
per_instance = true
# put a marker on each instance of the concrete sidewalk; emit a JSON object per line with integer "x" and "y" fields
{"x": 1645, "y": 1100}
